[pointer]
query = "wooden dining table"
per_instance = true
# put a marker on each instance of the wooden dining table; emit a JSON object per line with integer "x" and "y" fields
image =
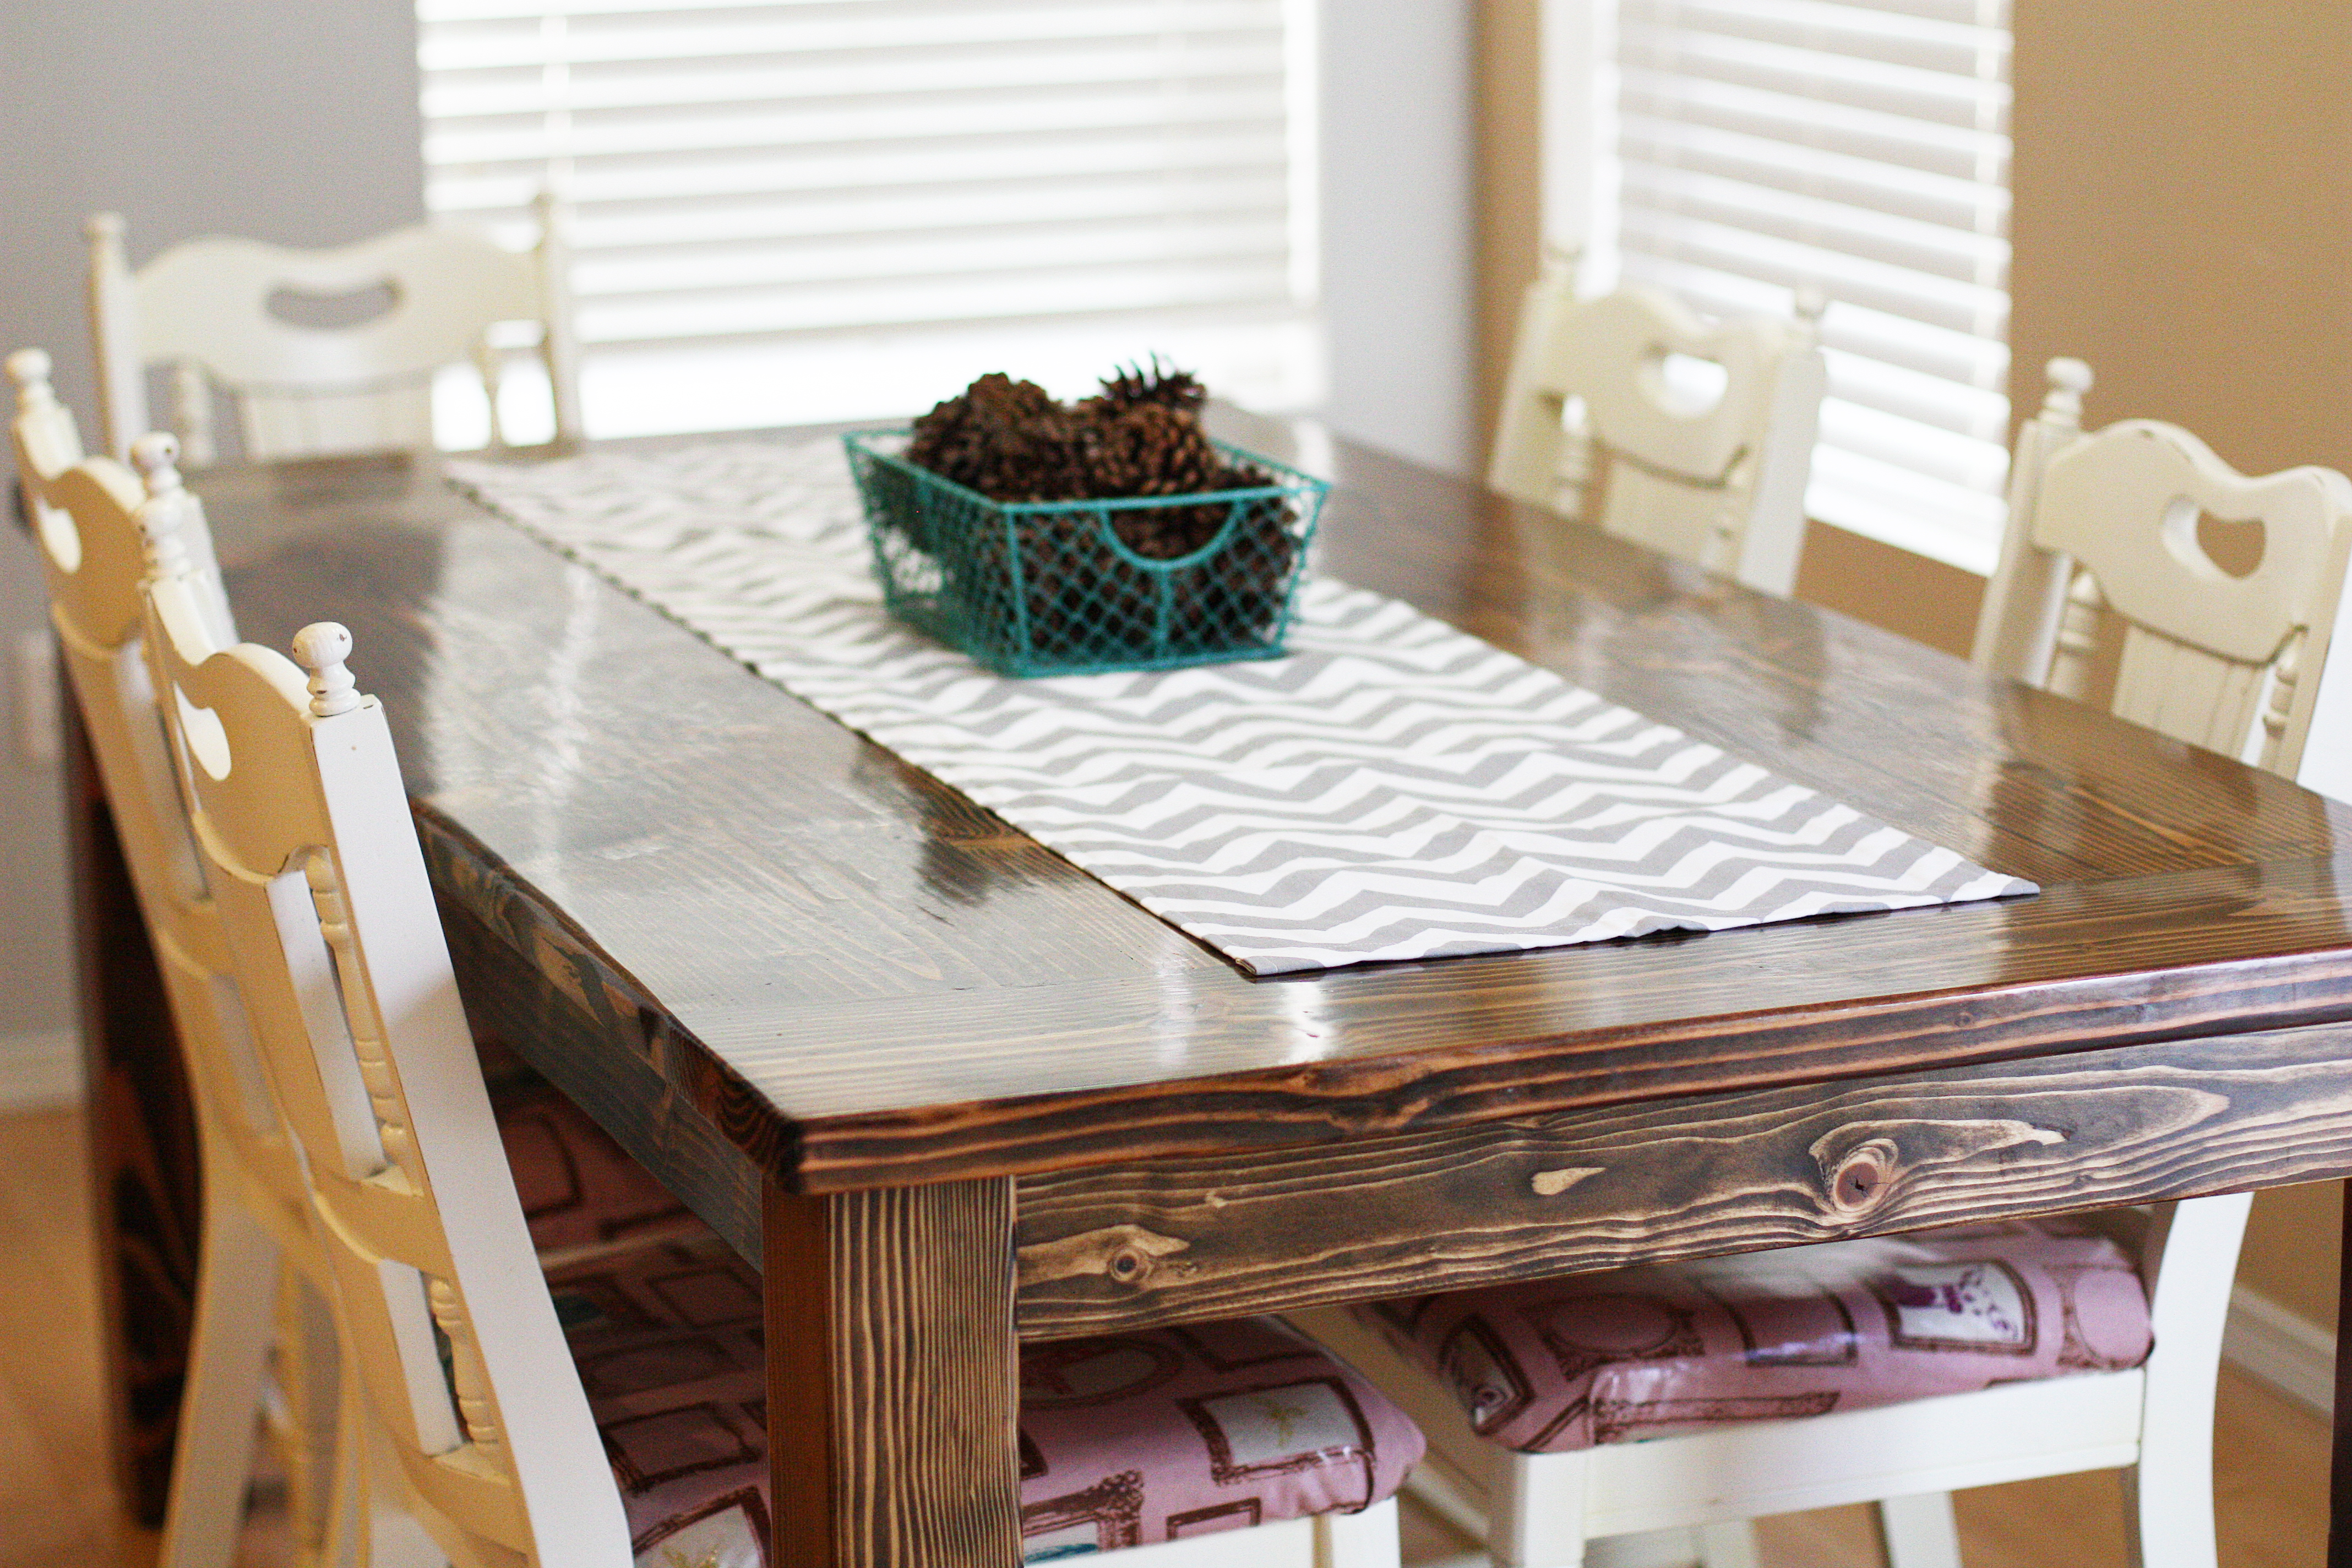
{"x": 953, "y": 1096}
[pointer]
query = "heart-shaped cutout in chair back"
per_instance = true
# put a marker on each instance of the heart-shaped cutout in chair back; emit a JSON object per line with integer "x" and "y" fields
{"x": 60, "y": 540}
{"x": 1690, "y": 384}
{"x": 1663, "y": 387}
{"x": 207, "y": 737}
{"x": 341, "y": 310}
{"x": 2235, "y": 547}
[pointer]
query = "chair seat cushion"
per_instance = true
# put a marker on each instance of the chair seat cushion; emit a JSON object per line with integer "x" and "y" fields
{"x": 578, "y": 1187}
{"x": 666, "y": 1338}
{"x": 1163, "y": 1433}
{"x": 1555, "y": 1364}
{"x": 1125, "y": 1439}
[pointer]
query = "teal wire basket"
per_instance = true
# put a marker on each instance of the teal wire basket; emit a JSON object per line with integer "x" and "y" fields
{"x": 1056, "y": 588}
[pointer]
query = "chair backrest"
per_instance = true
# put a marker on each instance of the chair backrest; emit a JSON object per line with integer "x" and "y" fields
{"x": 303, "y": 823}
{"x": 2103, "y": 535}
{"x": 90, "y": 520}
{"x": 205, "y": 309}
{"x": 1594, "y": 426}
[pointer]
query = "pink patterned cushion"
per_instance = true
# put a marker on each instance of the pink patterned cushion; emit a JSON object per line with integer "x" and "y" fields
{"x": 1124, "y": 1439}
{"x": 668, "y": 1342}
{"x": 578, "y": 1187}
{"x": 1554, "y": 1364}
{"x": 1167, "y": 1433}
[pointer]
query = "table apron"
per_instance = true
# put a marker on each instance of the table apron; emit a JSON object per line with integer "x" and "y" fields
{"x": 608, "y": 1056}
{"x": 1260, "y": 1230}
{"x": 1176, "y": 1239}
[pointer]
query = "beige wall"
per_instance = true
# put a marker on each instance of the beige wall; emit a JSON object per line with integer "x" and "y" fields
{"x": 1508, "y": 230}
{"x": 2183, "y": 219}
{"x": 2183, "y": 183}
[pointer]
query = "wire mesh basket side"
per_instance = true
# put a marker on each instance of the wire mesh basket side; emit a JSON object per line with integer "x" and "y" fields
{"x": 1077, "y": 587}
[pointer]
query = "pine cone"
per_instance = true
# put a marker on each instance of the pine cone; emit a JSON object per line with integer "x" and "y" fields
{"x": 1165, "y": 385}
{"x": 1008, "y": 439}
{"x": 1151, "y": 450}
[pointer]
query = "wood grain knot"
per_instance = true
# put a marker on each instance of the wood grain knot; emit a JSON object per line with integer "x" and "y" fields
{"x": 1864, "y": 1176}
{"x": 1551, "y": 1184}
{"x": 1125, "y": 1254}
{"x": 1860, "y": 1161}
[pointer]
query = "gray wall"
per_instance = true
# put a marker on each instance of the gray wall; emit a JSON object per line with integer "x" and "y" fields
{"x": 1399, "y": 173}
{"x": 288, "y": 119}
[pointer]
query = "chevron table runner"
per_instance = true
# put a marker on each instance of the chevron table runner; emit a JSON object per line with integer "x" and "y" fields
{"x": 1394, "y": 789}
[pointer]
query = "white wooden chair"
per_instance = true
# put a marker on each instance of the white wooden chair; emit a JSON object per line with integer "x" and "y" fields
{"x": 2108, "y": 522}
{"x": 2099, "y": 523}
{"x": 1594, "y": 426}
{"x": 303, "y": 825}
{"x": 86, "y": 518}
{"x": 1679, "y": 1500}
{"x": 258, "y": 1256}
{"x": 205, "y": 309}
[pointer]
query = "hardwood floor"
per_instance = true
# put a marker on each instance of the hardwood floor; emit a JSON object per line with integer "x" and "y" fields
{"x": 55, "y": 1496}
{"x": 57, "y": 1504}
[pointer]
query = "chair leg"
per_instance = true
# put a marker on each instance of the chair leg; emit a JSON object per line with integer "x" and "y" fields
{"x": 1919, "y": 1531}
{"x": 220, "y": 1407}
{"x": 1675, "y": 1546}
{"x": 1539, "y": 1515}
{"x": 347, "y": 1499}
{"x": 307, "y": 1367}
{"x": 381, "y": 1513}
{"x": 1365, "y": 1540}
{"x": 2169, "y": 1492}
{"x": 1731, "y": 1545}
{"x": 399, "y": 1541}
{"x": 2168, "y": 1505}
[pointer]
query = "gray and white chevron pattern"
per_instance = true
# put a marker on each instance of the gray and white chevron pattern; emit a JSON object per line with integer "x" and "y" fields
{"x": 1395, "y": 789}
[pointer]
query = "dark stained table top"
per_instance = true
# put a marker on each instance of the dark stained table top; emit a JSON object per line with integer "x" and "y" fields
{"x": 866, "y": 979}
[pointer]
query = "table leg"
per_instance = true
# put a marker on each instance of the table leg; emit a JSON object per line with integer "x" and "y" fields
{"x": 893, "y": 1377}
{"x": 141, "y": 1126}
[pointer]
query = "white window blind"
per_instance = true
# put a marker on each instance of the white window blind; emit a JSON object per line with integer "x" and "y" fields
{"x": 790, "y": 210}
{"x": 1861, "y": 145}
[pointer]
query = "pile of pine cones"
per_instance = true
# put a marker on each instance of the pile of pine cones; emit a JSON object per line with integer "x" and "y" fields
{"x": 1141, "y": 436}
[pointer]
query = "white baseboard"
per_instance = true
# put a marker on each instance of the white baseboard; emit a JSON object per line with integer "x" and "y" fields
{"x": 2292, "y": 1353}
{"x": 39, "y": 1071}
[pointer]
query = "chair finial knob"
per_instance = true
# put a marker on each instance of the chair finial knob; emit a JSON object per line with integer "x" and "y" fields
{"x": 1810, "y": 302}
{"x": 320, "y": 648}
{"x": 103, "y": 226}
{"x": 2069, "y": 380}
{"x": 162, "y": 515}
{"x": 29, "y": 369}
{"x": 156, "y": 455}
